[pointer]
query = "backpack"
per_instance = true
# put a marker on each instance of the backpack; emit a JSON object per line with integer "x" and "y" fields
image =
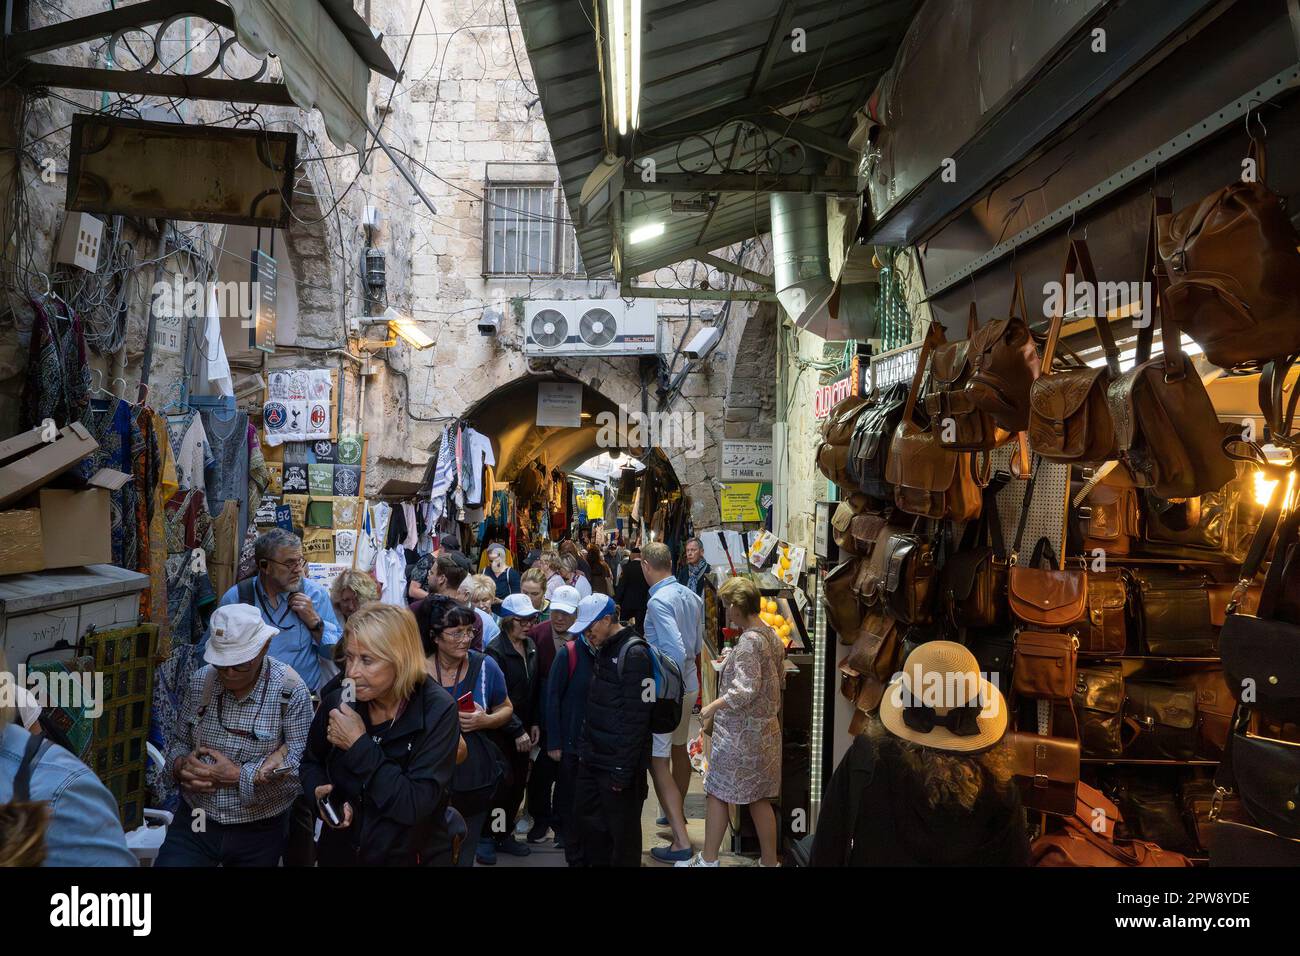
{"x": 667, "y": 711}
{"x": 23, "y": 821}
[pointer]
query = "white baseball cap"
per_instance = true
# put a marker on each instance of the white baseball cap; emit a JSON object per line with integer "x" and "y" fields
{"x": 591, "y": 609}
{"x": 237, "y": 635}
{"x": 565, "y": 599}
{"x": 518, "y": 605}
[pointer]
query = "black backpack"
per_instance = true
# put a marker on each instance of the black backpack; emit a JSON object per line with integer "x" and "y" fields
{"x": 667, "y": 711}
{"x": 871, "y": 439}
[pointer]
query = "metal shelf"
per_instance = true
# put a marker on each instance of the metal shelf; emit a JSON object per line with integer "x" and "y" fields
{"x": 1143, "y": 657}
{"x": 1131, "y": 762}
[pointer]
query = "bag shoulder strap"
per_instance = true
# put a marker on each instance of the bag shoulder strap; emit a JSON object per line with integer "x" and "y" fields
{"x": 32, "y": 754}
{"x": 972, "y": 321}
{"x": 245, "y": 590}
{"x": 1153, "y": 270}
{"x": 933, "y": 336}
{"x": 1078, "y": 261}
{"x": 1024, "y": 505}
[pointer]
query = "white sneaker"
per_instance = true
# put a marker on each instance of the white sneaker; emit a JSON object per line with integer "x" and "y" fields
{"x": 696, "y": 860}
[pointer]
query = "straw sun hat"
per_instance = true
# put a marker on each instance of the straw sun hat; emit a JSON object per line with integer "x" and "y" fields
{"x": 940, "y": 700}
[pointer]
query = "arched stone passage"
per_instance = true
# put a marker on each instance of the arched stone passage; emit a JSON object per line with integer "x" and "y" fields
{"x": 314, "y": 248}
{"x": 750, "y": 408}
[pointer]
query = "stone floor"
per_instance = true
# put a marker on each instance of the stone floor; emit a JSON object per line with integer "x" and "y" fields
{"x": 546, "y": 854}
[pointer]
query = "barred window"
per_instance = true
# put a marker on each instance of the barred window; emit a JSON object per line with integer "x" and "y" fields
{"x": 527, "y": 231}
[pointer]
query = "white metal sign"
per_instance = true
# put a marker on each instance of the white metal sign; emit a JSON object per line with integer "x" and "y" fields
{"x": 746, "y": 461}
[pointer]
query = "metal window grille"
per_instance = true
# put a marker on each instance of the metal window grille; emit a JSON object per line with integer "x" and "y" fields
{"x": 893, "y": 324}
{"x": 527, "y": 232}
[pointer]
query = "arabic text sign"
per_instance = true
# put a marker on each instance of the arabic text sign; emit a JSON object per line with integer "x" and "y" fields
{"x": 746, "y": 461}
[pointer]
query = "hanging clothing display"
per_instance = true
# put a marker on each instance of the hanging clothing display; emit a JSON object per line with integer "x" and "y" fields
{"x": 227, "y": 478}
{"x": 225, "y": 551}
{"x": 165, "y": 487}
{"x": 444, "y": 475}
{"x": 217, "y": 369}
{"x": 478, "y": 454}
{"x": 299, "y": 405}
{"x": 111, "y": 427}
{"x": 390, "y": 572}
{"x": 190, "y": 447}
{"x": 58, "y": 379}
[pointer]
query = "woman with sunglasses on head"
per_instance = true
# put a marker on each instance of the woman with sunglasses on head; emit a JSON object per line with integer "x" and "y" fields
{"x": 382, "y": 749}
{"x": 477, "y": 684}
{"x": 236, "y": 753}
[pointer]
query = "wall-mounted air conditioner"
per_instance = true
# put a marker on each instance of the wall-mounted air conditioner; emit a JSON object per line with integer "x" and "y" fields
{"x": 566, "y": 327}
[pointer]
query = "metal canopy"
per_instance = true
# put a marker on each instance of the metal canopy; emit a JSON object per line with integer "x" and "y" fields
{"x": 724, "y": 92}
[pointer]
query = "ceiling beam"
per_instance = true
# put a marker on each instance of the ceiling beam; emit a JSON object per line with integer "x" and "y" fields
{"x": 629, "y": 291}
{"x": 736, "y": 269}
{"x": 780, "y": 30}
{"x": 149, "y": 84}
{"x": 806, "y": 135}
{"x": 742, "y": 183}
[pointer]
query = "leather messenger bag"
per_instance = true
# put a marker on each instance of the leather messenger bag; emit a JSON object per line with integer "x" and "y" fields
{"x": 954, "y": 417}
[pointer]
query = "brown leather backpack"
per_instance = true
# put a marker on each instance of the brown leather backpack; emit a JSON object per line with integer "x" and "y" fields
{"x": 1166, "y": 429}
{"x": 1069, "y": 419}
{"x": 1079, "y": 842}
{"x": 837, "y": 433}
{"x": 1004, "y": 362}
{"x": 929, "y": 480}
{"x": 1234, "y": 272}
{"x": 954, "y": 417}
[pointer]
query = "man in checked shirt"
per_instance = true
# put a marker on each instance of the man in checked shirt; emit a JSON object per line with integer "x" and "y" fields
{"x": 243, "y": 727}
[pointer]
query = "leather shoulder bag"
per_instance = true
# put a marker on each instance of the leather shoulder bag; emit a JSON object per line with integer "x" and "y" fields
{"x": 929, "y": 480}
{"x": 1166, "y": 429}
{"x": 1173, "y": 613}
{"x": 1004, "y": 362}
{"x": 1105, "y": 630}
{"x": 1044, "y": 597}
{"x": 954, "y": 418}
{"x": 843, "y": 613}
{"x": 1099, "y": 704}
{"x": 909, "y": 563}
{"x": 869, "y": 449}
{"x": 1108, "y": 512}
{"x": 837, "y": 433}
{"x": 1165, "y": 714}
{"x": 871, "y": 662}
{"x": 1046, "y": 771}
{"x": 1069, "y": 419}
{"x": 974, "y": 577}
{"x": 1265, "y": 774}
{"x": 1234, "y": 272}
{"x": 1044, "y": 666}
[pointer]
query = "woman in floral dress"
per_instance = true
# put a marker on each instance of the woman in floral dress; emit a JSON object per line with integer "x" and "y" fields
{"x": 745, "y": 758}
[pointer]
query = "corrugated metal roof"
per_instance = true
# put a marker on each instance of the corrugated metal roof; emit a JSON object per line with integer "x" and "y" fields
{"x": 707, "y": 67}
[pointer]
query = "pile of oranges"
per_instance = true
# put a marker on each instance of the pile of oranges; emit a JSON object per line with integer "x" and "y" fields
{"x": 773, "y": 618}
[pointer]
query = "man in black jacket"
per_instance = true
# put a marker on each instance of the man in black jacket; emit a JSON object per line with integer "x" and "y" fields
{"x": 516, "y": 654}
{"x": 614, "y": 749}
{"x": 633, "y": 591}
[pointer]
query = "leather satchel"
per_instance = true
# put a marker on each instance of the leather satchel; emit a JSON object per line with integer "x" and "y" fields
{"x": 837, "y": 433}
{"x": 974, "y": 577}
{"x": 929, "y": 480}
{"x": 1046, "y": 771}
{"x": 1214, "y": 708}
{"x": 871, "y": 662}
{"x": 842, "y": 611}
{"x": 1104, "y": 630}
{"x": 956, "y": 421}
{"x": 1107, "y": 508}
{"x": 1044, "y": 597}
{"x": 1004, "y": 362}
{"x": 1165, "y": 714}
{"x": 873, "y": 568}
{"x": 1234, "y": 272}
{"x": 1174, "y": 614}
{"x": 909, "y": 577}
{"x": 1044, "y": 665}
{"x": 842, "y": 520}
{"x": 1099, "y": 705}
{"x": 1265, "y": 774}
{"x": 1069, "y": 419}
{"x": 1153, "y": 813}
{"x": 1261, "y": 653}
{"x": 1166, "y": 429}
{"x": 872, "y": 437}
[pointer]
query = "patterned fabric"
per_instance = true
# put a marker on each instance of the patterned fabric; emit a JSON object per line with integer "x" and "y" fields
{"x": 277, "y": 711}
{"x": 58, "y": 379}
{"x": 745, "y": 758}
{"x": 259, "y": 475}
{"x": 111, "y": 428}
{"x": 163, "y": 491}
{"x": 146, "y": 467}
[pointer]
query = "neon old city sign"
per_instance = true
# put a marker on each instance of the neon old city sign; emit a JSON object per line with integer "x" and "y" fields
{"x": 832, "y": 393}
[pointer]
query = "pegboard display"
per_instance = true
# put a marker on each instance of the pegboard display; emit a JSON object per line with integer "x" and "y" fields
{"x": 1047, "y": 510}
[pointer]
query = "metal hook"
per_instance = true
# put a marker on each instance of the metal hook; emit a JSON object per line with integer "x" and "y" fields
{"x": 121, "y": 394}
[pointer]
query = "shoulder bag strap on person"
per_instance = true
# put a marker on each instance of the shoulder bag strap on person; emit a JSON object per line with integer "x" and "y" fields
{"x": 32, "y": 754}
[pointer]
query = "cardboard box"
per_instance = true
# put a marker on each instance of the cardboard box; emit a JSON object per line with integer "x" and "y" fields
{"x": 27, "y": 461}
{"x": 20, "y": 541}
{"x": 76, "y": 527}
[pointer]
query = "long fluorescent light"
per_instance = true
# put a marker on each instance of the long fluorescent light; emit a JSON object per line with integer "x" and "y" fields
{"x": 623, "y": 22}
{"x": 650, "y": 230}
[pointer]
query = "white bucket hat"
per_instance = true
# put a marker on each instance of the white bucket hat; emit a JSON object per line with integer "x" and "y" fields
{"x": 942, "y": 701}
{"x": 237, "y": 635}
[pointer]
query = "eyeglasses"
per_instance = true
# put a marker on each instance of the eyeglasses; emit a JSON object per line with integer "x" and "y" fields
{"x": 297, "y": 564}
{"x": 462, "y": 634}
{"x": 243, "y": 668}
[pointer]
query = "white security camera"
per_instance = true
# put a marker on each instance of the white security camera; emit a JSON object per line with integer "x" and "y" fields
{"x": 702, "y": 343}
{"x": 489, "y": 323}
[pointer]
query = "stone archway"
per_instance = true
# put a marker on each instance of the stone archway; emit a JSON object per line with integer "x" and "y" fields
{"x": 750, "y": 408}
{"x": 315, "y": 247}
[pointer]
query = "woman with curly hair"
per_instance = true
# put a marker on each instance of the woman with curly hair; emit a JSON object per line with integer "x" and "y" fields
{"x": 929, "y": 783}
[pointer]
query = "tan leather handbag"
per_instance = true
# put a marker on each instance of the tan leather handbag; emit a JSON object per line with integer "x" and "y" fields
{"x": 871, "y": 662}
{"x": 1069, "y": 419}
{"x": 837, "y": 433}
{"x": 1166, "y": 429}
{"x": 1046, "y": 771}
{"x": 929, "y": 480}
{"x": 842, "y": 611}
{"x": 1105, "y": 631}
{"x": 1234, "y": 272}
{"x": 954, "y": 418}
{"x": 1109, "y": 515}
{"x": 1040, "y": 594}
{"x": 1004, "y": 363}
{"x": 1045, "y": 665}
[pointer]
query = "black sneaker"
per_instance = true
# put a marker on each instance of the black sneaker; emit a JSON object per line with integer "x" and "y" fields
{"x": 538, "y": 833}
{"x": 513, "y": 847}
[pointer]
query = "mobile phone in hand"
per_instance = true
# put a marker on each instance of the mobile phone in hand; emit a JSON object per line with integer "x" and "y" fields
{"x": 331, "y": 814}
{"x": 279, "y": 770}
{"x": 465, "y": 703}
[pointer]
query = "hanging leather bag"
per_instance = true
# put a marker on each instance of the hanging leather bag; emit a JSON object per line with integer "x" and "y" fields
{"x": 1265, "y": 774}
{"x": 974, "y": 577}
{"x": 928, "y": 479}
{"x": 1004, "y": 362}
{"x": 1078, "y": 842}
{"x": 837, "y": 433}
{"x": 1044, "y": 667}
{"x": 1166, "y": 428}
{"x": 1046, "y": 771}
{"x": 909, "y": 564}
{"x": 1108, "y": 512}
{"x": 872, "y": 437}
{"x": 1039, "y": 593}
{"x": 1069, "y": 419}
{"x": 1234, "y": 271}
{"x": 1105, "y": 629}
{"x": 1099, "y": 703}
{"x": 954, "y": 418}
{"x": 1165, "y": 714}
{"x": 871, "y": 662}
{"x": 842, "y": 611}
{"x": 1173, "y": 614}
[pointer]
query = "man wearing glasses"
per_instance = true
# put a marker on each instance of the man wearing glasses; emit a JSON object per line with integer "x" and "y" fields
{"x": 297, "y": 608}
{"x": 241, "y": 734}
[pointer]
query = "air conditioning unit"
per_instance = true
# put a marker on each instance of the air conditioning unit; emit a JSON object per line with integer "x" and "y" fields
{"x": 566, "y": 327}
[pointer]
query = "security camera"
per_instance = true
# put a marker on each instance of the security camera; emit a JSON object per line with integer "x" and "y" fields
{"x": 489, "y": 323}
{"x": 702, "y": 343}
